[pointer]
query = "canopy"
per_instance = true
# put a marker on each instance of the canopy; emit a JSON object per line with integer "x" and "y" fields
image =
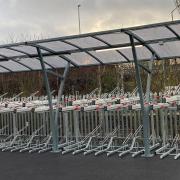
{"x": 99, "y": 48}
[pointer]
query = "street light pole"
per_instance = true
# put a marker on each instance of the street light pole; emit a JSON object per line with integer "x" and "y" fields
{"x": 79, "y": 20}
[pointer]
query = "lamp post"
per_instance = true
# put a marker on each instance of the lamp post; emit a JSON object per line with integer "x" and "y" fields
{"x": 79, "y": 19}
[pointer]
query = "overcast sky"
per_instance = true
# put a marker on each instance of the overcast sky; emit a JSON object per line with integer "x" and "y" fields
{"x": 51, "y": 18}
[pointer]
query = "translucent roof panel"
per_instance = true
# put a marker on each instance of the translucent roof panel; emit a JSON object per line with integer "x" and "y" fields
{"x": 86, "y": 42}
{"x": 56, "y": 61}
{"x": 109, "y": 56}
{"x": 142, "y": 53}
{"x": 33, "y": 63}
{"x": 127, "y": 52}
{"x": 154, "y": 33}
{"x": 176, "y": 28}
{"x": 168, "y": 49}
{"x": 9, "y": 53}
{"x": 3, "y": 70}
{"x": 115, "y": 38}
{"x": 57, "y": 46}
{"x": 13, "y": 66}
{"x": 105, "y": 47}
{"x": 82, "y": 59}
{"x": 28, "y": 49}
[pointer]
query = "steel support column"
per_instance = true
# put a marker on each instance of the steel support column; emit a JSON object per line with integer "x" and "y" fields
{"x": 54, "y": 128}
{"x": 148, "y": 85}
{"x": 145, "y": 116}
{"x": 60, "y": 92}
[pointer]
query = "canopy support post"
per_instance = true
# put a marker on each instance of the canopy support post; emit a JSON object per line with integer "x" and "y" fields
{"x": 145, "y": 115}
{"x": 54, "y": 128}
{"x": 149, "y": 78}
{"x": 60, "y": 92}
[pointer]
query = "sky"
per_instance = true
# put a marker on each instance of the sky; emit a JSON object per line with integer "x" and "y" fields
{"x": 22, "y": 20}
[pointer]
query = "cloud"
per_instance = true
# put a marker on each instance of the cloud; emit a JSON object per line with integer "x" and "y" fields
{"x": 52, "y": 18}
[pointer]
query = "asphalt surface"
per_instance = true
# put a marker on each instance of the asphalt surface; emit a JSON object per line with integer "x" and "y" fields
{"x": 49, "y": 166}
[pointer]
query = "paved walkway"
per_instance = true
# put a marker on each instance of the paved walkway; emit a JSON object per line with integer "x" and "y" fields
{"x": 48, "y": 166}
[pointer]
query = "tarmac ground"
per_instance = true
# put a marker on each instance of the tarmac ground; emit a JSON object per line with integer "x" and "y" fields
{"x": 51, "y": 166}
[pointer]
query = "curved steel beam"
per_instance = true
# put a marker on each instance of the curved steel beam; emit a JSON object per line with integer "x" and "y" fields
{"x": 53, "y": 53}
{"x": 29, "y": 55}
{"x": 173, "y": 31}
{"x": 81, "y": 49}
{"x": 130, "y": 33}
{"x": 12, "y": 59}
{"x": 6, "y": 68}
{"x": 149, "y": 42}
{"x": 128, "y": 60}
{"x": 99, "y": 39}
{"x": 17, "y": 50}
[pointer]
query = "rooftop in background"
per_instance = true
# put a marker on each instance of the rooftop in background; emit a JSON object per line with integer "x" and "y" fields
{"x": 98, "y": 48}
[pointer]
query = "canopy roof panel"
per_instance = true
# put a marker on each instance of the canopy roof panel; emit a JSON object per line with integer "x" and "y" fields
{"x": 99, "y": 48}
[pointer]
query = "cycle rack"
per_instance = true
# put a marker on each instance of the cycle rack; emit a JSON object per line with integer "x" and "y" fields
{"x": 111, "y": 126}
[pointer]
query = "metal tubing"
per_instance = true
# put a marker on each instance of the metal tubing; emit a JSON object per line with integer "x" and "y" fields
{"x": 177, "y": 156}
{"x": 60, "y": 92}
{"x": 167, "y": 153}
{"x": 144, "y": 112}
{"x": 148, "y": 86}
{"x": 162, "y": 148}
{"x": 117, "y": 150}
{"x": 53, "y": 125}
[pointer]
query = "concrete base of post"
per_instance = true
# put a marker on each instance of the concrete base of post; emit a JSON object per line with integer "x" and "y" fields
{"x": 147, "y": 156}
{"x": 56, "y": 151}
